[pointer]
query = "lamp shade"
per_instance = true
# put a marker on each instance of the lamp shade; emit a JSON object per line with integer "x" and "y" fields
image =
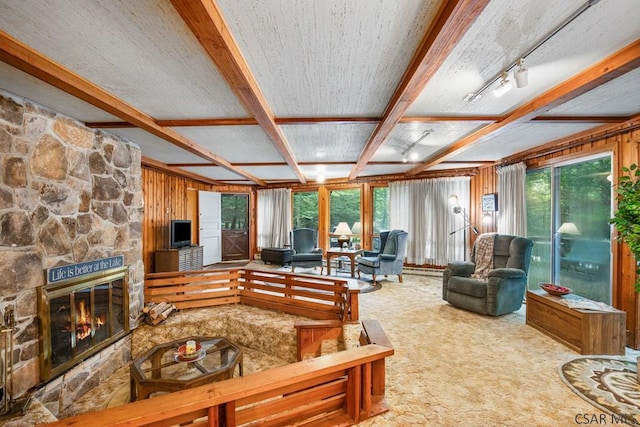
{"x": 357, "y": 228}
{"x": 342, "y": 229}
{"x": 569, "y": 228}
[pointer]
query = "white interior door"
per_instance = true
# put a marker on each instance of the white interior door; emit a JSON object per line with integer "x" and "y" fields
{"x": 210, "y": 232}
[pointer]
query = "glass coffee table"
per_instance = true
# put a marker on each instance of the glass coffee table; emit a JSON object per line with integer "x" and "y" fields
{"x": 165, "y": 368}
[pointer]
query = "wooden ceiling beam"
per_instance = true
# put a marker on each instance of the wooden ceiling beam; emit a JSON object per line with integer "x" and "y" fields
{"x": 621, "y": 62}
{"x": 349, "y": 120}
{"x": 453, "y": 20}
{"x": 169, "y": 169}
{"x": 208, "y": 25}
{"x": 26, "y": 59}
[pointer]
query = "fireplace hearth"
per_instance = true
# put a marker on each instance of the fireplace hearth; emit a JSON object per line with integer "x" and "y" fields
{"x": 79, "y": 317}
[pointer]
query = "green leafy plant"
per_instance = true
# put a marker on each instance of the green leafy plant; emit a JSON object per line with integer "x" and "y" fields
{"x": 627, "y": 217}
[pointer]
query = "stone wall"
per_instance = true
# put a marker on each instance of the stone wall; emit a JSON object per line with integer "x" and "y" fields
{"x": 68, "y": 194}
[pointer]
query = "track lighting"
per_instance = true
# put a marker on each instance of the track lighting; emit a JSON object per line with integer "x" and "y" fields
{"x": 504, "y": 86}
{"x": 414, "y": 155}
{"x": 521, "y": 75}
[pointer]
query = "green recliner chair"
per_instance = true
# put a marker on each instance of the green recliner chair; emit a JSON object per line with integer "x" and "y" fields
{"x": 503, "y": 290}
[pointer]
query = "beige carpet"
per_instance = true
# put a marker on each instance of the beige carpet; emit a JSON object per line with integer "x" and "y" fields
{"x": 456, "y": 368}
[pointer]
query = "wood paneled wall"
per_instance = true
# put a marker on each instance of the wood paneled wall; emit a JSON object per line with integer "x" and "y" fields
{"x": 168, "y": 197}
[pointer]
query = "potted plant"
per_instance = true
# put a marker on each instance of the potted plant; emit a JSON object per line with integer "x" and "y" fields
{"x": 627, "y": 217}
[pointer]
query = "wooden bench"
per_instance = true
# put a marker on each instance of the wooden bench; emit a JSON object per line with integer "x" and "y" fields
{"x": 316, "y": 297}
{"x": 372, "y": 333}
{"x": 343, "y": 388}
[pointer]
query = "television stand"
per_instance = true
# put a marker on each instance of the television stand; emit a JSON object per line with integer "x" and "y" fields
{"x": 179, "y": 259}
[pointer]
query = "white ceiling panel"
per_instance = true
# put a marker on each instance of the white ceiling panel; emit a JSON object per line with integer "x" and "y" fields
{"x": 24, "y": 86}
{"x": 233, "y": 143}
{"x": 271, "y": 173}
{"x": 328, "y": 142}
{"x": 430, "y": 137}
{"x": 329, "y": 57}
{"x": 386, "y": 169}
{"x": 141, "y": 51}
{"x": 507, "y": 29}
{"x": 518, "y": 138}
{"x": 619, "y": 97}
{"x": 156, "y": 148}
{"x": 328, "y": 171}
{"x": 215, "y": 172}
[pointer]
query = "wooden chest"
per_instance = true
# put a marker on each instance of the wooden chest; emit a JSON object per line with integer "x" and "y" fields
{"x": 585, "y": 331}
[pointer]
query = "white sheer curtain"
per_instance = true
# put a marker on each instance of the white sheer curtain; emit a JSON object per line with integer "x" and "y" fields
{"x": 422, "y": 208}
{"x": 273, "y": 217}
{"x": 512, "y": 206}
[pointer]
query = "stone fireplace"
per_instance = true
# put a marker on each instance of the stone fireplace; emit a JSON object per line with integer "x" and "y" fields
{"x": 69, "y": 195}
{"x": 81, "y": 316}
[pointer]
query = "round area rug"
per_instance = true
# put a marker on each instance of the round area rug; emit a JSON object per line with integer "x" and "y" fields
{"x": 609, "y": 384}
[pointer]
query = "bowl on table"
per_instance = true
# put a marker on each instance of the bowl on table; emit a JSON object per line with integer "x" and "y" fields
{"x": 556, "y": 290}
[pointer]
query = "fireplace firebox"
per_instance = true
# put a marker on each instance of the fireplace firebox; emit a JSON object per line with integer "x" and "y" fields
{"x": 80, "y": 317}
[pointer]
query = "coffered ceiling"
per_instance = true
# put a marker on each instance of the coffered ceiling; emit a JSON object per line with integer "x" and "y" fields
{"x": 260, "y": 92}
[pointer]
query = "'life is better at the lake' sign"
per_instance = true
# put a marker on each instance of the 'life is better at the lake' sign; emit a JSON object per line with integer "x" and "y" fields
{"x": 64, "y": 272}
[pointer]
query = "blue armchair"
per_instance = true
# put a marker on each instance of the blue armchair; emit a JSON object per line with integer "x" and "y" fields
{"x": 503, "y": 290}
{"x": 305, "y": 250}
{"x": 390, "y": 259}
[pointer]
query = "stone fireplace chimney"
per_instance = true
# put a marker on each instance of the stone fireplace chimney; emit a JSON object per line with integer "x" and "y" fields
{"x": 68, "y": 195}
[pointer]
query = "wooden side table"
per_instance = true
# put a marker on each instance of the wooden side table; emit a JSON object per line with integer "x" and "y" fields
{"x": 350, "y": 253}
{"x": 585, "y": 331}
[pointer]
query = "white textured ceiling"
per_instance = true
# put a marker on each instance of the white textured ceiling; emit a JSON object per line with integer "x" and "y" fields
{"x": 321, "y": 76}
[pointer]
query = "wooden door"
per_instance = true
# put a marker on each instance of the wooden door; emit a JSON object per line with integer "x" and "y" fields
{"x": 210, "y": 226}
{"x": 235, "y": 227}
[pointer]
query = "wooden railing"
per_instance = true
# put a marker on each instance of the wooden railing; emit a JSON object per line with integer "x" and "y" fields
{"x": 339, "y": 389}
{"x": 316, "y": 297}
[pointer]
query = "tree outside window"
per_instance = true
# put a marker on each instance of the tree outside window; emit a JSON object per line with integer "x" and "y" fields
{"x": 305, "y": 209}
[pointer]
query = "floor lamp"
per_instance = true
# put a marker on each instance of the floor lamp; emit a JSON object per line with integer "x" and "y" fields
{"x": 457, "y": 209}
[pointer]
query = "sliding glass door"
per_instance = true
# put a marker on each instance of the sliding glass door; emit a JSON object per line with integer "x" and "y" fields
{"x": 568, "y": 211}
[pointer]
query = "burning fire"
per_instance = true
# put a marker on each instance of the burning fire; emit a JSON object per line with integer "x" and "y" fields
{"x": 83, "y": 321}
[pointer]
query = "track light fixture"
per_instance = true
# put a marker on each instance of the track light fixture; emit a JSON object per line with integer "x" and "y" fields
{"x": 504, "y": 86}
{"x": 520, "y": 75}
{"x": 414, "y": 155}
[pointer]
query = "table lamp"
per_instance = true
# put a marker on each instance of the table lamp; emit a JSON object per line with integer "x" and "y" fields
{"x": 345, "y": 232}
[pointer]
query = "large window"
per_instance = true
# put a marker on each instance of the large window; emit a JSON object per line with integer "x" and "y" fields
{"x": 344, "y": 207}
{"x": 568, "y": 211}
{"x": 380, "y": 214}
{"x": 305, "y": 209}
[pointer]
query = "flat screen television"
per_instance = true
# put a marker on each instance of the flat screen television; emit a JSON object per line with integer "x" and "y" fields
{"x": 180, "y": 233}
